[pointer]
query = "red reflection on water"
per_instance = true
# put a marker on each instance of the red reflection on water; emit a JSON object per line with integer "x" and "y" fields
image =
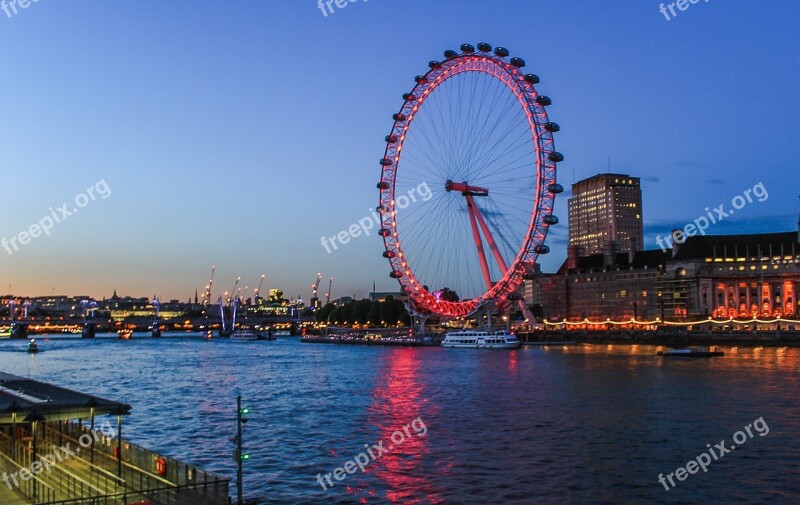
{"x": 399, "y": 411}
{"x": 512, "y": 362}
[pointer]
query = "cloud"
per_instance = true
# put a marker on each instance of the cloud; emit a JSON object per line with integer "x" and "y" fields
{"x": 715, "y": 182}
{"x": 733, "y": 226}
{"x": 652, "y": 179}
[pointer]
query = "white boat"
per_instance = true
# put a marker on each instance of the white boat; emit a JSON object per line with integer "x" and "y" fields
{"x": 691, "y": 352}
{"x": 243, "y": 336}
{"x": 252, "y": 335}
{"x": 477, "y": 339}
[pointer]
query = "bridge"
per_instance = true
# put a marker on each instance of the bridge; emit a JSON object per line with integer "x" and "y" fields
{"x": 40, "y": 325}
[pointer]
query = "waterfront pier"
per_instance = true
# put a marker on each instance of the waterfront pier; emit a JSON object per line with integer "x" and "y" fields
{"x": 55, "y": 451}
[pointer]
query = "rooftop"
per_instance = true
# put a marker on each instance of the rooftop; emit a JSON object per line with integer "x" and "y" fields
{"x": 34, "y": 400}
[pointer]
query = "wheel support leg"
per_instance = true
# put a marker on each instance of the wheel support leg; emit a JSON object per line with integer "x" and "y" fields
{"x": 478, "y": 242}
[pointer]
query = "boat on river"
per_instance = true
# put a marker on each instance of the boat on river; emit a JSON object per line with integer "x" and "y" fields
{"x": 691, "y": 352}
{"x": 249, "y": 335}
{"x": 32, "y": 347}
{"x": 478, "y": 339}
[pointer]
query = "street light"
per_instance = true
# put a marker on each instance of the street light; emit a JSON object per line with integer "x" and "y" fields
{"x": 238, "y": 456}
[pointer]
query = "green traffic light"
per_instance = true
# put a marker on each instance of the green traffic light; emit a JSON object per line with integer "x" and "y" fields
{"x": 246, "y": 410}
{"x": 245, "y": 456}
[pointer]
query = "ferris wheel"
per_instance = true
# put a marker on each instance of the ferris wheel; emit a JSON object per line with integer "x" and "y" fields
{"x": 468, "y": 181}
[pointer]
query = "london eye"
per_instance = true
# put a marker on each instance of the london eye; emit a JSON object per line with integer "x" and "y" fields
{"x": 468, "y": 181}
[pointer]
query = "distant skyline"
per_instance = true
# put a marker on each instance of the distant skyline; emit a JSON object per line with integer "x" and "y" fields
{"x": 238, "y": 134}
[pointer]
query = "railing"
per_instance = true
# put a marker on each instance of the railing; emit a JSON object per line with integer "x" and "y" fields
{"x": 92, "y": 474}
{"x": 139, "y": 465}
{"x": 34, "y": 488}
{"x": 59, "y": 470}
{"x": 175, "y": 495}
{"x": 68, "y": 483}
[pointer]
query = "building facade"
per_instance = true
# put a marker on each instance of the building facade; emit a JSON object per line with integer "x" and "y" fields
{"x": 605, "y": 215}
{"x": 739, "y": 276}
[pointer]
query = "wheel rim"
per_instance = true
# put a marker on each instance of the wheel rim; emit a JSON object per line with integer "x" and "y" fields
{"x": 477, "y": 121}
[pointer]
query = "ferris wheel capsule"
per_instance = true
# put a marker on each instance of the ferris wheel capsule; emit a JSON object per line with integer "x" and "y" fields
{"x": 532, "y": 78}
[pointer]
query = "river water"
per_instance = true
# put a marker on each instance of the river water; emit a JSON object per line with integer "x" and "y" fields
{"x": 559, "y": 425}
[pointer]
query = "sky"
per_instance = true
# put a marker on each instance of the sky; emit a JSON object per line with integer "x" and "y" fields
{"x": 237, "y": 134}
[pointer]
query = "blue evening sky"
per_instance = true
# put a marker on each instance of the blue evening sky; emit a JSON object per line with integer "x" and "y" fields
{"x": 238, "y": 133}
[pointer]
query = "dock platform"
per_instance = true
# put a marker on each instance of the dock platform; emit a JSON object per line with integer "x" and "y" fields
{"x": 55, "y": 451}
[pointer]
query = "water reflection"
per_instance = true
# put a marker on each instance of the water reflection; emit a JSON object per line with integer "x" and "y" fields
{"x": 399, "y": 411}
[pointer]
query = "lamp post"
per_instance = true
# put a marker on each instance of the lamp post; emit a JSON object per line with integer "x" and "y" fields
{"x": 35, "y": 418}
{"x": 238, "y": 456}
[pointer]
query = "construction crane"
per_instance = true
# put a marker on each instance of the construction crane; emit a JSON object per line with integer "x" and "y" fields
{"x": 328, "y": 294}
{"x": 207, "y": 294}
{"x": 263, "y": 276}
{"x": 233, "y": 291}
{"x": 314, "y": 289}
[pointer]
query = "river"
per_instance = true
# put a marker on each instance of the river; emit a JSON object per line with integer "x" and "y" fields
{"x": 558, "y": 425}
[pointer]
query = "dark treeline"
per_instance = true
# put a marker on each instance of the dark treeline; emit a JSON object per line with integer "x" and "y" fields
{"x": 374, "y": 313}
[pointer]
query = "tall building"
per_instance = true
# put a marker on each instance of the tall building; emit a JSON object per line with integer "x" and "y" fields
{"x": 605, "y": 216}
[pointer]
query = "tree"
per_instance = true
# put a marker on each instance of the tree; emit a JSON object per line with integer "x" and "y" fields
{"x": 374, "y": 315}
{"x": 346, "y": 313}
{"x": 361, "y": 311}
{"x": 405, "y": 317}
{"x": 325, "y": 311}
{"x": 390, "y": 311}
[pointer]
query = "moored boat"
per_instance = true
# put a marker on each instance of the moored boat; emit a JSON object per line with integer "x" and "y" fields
{"x": 691, "y": 352}
{"x": 243, "y": 336}
{"x": 266, "y": 335}
{"x": 477, "y": 339}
